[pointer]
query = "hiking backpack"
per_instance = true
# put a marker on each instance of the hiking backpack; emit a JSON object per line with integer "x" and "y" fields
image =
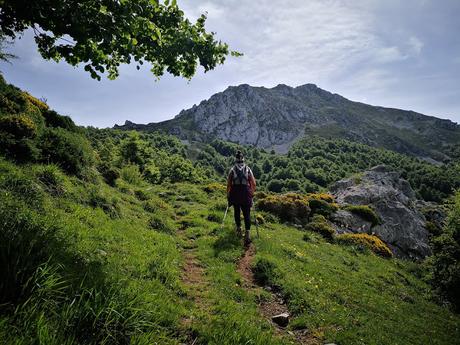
{"x": 240, "y": 176}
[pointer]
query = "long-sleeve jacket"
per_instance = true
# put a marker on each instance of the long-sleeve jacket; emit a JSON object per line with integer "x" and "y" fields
{"x": 241, "y": 191}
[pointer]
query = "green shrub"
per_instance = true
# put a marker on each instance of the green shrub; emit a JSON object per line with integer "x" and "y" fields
{"x": 260, "y": 218}
{"x": 109, "y": 205}
{"x": 371, "y": 242}
{"x": 19, "y": 126}
{"x": 365, "y": 212}
{"x": 319, "y": 206}
{"x": 265, "y": 272}
{"x": 161, "y": 223}
{"x": 53, "y": 119}
{"x": 109, "y": 173}
{"x": 141, "y": 195}
{"x": 156, "y": 204}
{"x": 215, "y": 187}
{"x": 152, "y": 174}
{"x": 214, "y": 217}
{"x": 51, "y": 178}
{"x": 70, "y": 151}
{"x": 289, "y": 207}
{"x": 17, "y": 134}
{"x": 22, "y": 187}
{"x": 131, "y": 174}
{"x": 307, "y": 237}
{"x": 220, "y": 206}
{"x": 445, "y": 262}
{"x": 433, "y": 229}
{"x": 320, "y": 225}
{"x": 175, "y": 168}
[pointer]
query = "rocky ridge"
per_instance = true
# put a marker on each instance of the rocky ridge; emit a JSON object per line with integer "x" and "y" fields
{"x": 277, "y": 117}
{"x": 402, "y": 225}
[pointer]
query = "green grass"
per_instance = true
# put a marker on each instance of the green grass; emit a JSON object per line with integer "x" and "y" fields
{"x": 128, "y": 283}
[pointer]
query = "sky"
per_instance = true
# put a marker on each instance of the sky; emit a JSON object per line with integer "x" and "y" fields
{"x": 402, "y": 54}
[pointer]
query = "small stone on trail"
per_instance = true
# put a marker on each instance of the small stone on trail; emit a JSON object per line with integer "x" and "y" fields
{"x": 281, "y": 319}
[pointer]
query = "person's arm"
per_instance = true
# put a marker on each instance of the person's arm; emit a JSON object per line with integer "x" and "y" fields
{"x": 229, "y": 183}
{"x": 252, "y": 182}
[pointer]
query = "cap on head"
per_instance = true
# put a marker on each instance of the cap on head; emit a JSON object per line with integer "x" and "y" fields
{"x": 239, "y": 157}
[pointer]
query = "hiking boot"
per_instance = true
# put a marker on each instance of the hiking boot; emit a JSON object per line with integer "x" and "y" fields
{"x": 247, "y": 239}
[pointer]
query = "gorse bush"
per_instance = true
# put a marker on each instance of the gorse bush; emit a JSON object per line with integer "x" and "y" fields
{"x": 320, "y": 225}
{"x": 19, "y": 126}
{"x": 16, "y": 138}
{"x": 371, "y": 242}
{"x": 319, "y": 206}
{"x": 289, "y": 207}
{"x": 365, "y": 212}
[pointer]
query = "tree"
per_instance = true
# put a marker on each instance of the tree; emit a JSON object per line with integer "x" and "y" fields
{"x": 103, "y": 34}
{"x": 4, "y": 55}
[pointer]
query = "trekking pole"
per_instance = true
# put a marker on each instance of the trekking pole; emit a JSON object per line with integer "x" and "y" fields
{"x": 225, "y": 216}
{"x": 256, "y": 221}
{"x": 257, "y": 224}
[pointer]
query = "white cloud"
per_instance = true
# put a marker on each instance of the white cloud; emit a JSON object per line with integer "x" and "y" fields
{"x": 416, "y": 45}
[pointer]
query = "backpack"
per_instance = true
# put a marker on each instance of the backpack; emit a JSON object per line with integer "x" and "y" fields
{"x": 240, "y": 176}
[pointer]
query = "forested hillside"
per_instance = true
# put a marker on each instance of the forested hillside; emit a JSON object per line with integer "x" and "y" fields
{"x": 115, "y": 237}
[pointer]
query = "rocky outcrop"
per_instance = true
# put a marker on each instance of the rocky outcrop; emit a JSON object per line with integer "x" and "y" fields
{"x": 277, "y": 117}
{"x": 402, "y": 225}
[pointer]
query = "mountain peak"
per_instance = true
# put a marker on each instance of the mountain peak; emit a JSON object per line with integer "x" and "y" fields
{"x": 277, "y": 117}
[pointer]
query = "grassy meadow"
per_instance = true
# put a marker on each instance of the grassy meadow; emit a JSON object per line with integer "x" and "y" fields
{"x": 143, "y": 264}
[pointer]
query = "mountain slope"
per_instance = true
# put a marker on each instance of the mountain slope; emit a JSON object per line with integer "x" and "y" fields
{"x": 277, "y": 117}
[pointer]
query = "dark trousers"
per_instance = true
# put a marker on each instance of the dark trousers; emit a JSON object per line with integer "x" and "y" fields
{"x": 246, "y": 214}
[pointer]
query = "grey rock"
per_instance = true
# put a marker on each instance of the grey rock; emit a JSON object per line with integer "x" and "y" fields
{"x": 402, "y": 224}
{"x": 281, "y": 320}
{"x": 345, "y": 221}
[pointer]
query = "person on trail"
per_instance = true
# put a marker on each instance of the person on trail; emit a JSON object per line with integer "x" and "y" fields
{"x": 241, "y": 186}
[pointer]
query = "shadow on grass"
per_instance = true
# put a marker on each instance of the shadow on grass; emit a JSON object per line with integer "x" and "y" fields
{"x": 226, "y": 242}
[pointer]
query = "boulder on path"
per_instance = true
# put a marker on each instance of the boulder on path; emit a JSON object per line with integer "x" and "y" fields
{"x": 402, "y": 226}
{"x": 281, "y": 320}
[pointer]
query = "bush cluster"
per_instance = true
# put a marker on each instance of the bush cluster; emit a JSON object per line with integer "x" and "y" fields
{"x": 445, "y": 262}
{"x": 265, "y": 272}
{"x": 290, "y": 207}
{"x": 371, "y": 242}
{"x": 320, "y": 225}
{"x": 365, "y": 212}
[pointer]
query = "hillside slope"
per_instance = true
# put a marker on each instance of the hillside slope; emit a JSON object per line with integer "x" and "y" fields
{"x": 276, "y": 117}
{"x": 161, "y": 269}
{"x": 110, "y": 237}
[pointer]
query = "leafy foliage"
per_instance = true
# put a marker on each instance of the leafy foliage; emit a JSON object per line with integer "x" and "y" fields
{"x": 289, "y": 207}
{"x": 445, "y": 262}
{"x": 320, "y": 225}
{"x": 70, "y": 151}
{"x": 106, "y": 34}
{"x": 365, "y": 212}
{"x": 371, "y": 242}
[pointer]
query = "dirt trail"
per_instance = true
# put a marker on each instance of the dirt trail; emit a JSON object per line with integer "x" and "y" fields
{"x": 275, "y": 304}
{"x": 194, "y": 281}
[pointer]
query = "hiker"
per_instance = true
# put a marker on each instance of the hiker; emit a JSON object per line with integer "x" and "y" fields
{"x": 241, "y": 186}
